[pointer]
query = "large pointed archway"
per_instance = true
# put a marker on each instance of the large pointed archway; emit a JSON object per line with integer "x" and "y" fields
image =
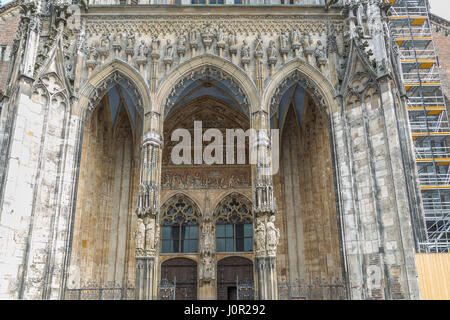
{"x": 300, "y": 102}
{"x": 102, "y": 251}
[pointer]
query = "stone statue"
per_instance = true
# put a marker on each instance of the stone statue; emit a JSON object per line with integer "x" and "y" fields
{"x": 245, "y": 50}
{"x": 181, "y": 42}
{"x": 155, "y": 45}
{"x": 104, "y": 41}
{"x": 284, "y": 41}
{"x": 142, "y": 49}
{"x": 273, "y": 237}
{"x": 207, "y": 36}
{"x": 320, "y": 52}
{"x": 307, "y": 42}
{"x": 181, "y": 46}
{"x": 206, "y": 236}
{"x": 220, "y": 36}
{"x": 130, "y": 41}
{"x": 272, "y": 51}
{"x": 193, "y": 37}
{"x": 139, "y": 236}
{"x": 207, "y": 270}
{"x": 296, "y": 38}
{"x": 260, "y": 237}
{"x": 150, "y": 235}
{"x": 168, "y": 52}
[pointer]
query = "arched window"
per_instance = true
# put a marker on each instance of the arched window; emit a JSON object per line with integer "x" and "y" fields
{"x": 234, "y": 224}
{"x": 179, "y": 225}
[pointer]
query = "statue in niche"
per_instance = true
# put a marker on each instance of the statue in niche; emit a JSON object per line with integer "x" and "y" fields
{"x": 92, "y": 54}
{"x": 320, "y": 52}
{"x": 220, "y": 36}
{"x": 150, "y": 235}
{"x": 207, "y": 269}
{"x": 260, "y": 237}
{"x": 206, "y": 237}
{"x": 207, "y": 36}
{"x": 296, "y": 38}
{"x": 271, "y": 51}
{"x": 273, "y": 237}
{"x": 307, "y": 42}
{"x": 193, "y": 37}
{"x": 104, "y": 41}
{"x": 155, "y": 44}
{"x": 130, "y": 41}
{"x": 232, "y": 42}
{"x": 168, "y": 52}
{"x": 181, "y": 46}
{"x": 259, "y": 45}
{"x": 139, "y": 236}
{"x": 231, "y": 181}
{"x": 142, "y": 49}
{"x": 284, "y": 41}
{"x": 245, "y": 50}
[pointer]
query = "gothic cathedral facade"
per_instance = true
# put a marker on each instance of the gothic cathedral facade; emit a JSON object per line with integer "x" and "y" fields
{"x": 90, "y": 191}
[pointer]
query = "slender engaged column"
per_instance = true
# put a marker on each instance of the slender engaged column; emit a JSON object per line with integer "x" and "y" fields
{"x": 147, "y": 211}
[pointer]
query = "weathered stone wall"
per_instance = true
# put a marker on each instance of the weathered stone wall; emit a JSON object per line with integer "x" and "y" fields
{"x": 9, "y": 21}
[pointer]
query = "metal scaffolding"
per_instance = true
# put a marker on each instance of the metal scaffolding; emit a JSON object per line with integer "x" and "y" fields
{"x": 410, "y": 26}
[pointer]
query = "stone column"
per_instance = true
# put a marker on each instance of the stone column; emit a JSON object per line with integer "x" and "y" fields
{"x": 147, "y": 211}
{"x": 207, "y": 263}
{"x": 264, "y": 208}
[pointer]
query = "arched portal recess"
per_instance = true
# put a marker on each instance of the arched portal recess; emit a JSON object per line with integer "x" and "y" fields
{"x": 305, "y": 188}
{"x": 102, "y": 245}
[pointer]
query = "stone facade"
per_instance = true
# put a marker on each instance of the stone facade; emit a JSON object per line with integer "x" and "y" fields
{"x": 87, "y": 184}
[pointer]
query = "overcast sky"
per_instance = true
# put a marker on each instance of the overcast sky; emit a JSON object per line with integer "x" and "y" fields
{"x": 441, "y": 8}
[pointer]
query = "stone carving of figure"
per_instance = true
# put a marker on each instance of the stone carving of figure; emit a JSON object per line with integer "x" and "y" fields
{"x": 206, "y": 236}
{"x": 130, "y": 40}
{"x": 142, "y": 49}
{"x": 284, "y": 41}
{"x": 271, "y": 51}
{"x": 207, "y": 36}
{"x": 207, "y": 270}
{"x": 220, "y": 36}
{"x": 273, "y": 236}
{"x": 320, "y": 52}
{"x": 104, "y": 42}
{"x": 245, "y": 50}
{"x": 150, "y": 235}
{"x": 91, "y": 53}
{"x": 168, "y": 52}
{"x": 258, "y": 45}
{"x": 232, "y": 39}
{"x": 155, "y": 45}
{"x": 193, "y": 37}
{"x": 296, "y": 39}
{"x": 260, "y": 237}
{"x": 307, "y": 42}
{"x": 181, "y": 45}
{"x": 139, "y": 236}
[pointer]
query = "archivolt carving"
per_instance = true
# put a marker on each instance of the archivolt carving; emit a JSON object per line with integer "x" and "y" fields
{"x": 207, "y": 73}
{"x": 115, "y": 79}
{"x": 290, "y": 80}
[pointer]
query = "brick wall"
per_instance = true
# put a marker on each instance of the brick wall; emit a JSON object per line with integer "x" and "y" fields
{"x": 9, "y": 21}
